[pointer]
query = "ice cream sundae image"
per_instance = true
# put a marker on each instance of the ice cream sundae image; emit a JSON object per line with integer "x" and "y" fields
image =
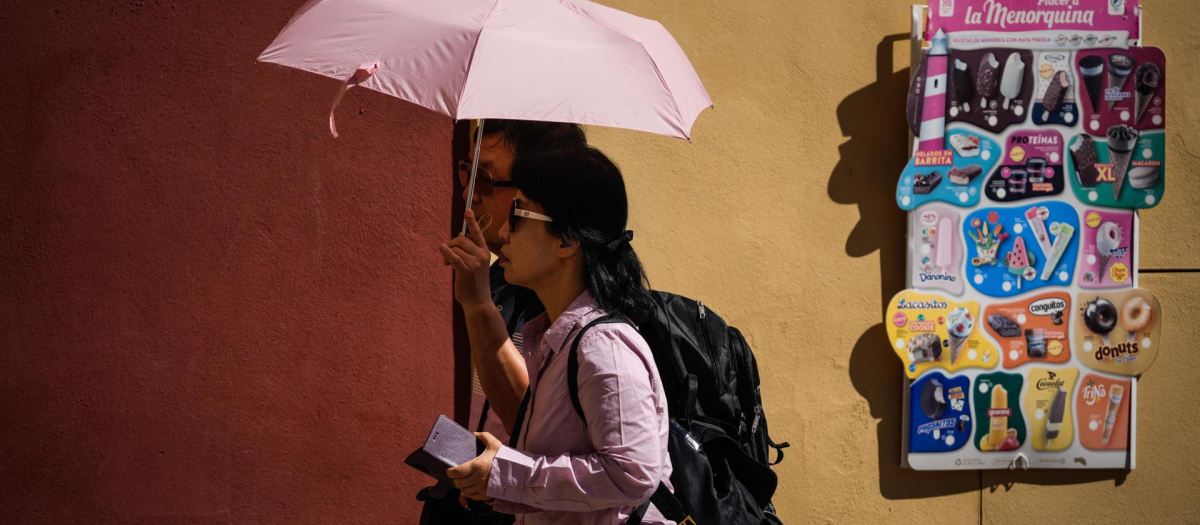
{"x": 959, "y": 323}
{"x": 1121, "y": 141}
{"x": 1148, "y": 78}
{"x": 1108, "y": 241}
{"x": 1100, "y": 316}
{"x": 1119, "y": 67}
{"x": 1091, "y": 68}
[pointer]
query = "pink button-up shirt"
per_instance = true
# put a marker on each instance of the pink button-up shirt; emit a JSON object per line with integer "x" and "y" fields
{"x": 569, "y": 473}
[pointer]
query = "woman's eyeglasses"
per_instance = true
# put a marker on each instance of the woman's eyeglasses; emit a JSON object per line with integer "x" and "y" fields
{"x": 515, "y": 212}
{"x": 485, "y": 184}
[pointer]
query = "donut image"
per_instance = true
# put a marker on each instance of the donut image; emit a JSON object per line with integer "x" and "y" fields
{"x": 1100, "y": 316}
{"x": 1136, "y": 315}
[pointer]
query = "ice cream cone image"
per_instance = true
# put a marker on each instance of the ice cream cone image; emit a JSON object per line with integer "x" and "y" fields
{"x": 959, "y": 324}
{"x": 1092, "y": 69}
{"x": 1108, "y": 241}
{"x": 1121, "y": 141}
{"x": 1119, "y": 68}
{"x": 1148, "y": 78}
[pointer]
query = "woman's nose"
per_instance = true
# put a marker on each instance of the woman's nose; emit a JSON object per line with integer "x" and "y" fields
{"x": 503, "y": 232}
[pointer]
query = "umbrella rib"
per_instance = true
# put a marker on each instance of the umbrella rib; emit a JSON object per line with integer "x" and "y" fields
{"x": 471, "y": 59}
{"x": 661, "y": 79}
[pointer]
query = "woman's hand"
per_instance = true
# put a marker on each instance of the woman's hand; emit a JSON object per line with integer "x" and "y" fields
{"x": 471, "y": 478}
{"x": 471, "y": 260}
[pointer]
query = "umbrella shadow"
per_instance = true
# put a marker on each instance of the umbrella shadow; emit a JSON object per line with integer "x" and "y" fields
{"x": 872, "y": 120}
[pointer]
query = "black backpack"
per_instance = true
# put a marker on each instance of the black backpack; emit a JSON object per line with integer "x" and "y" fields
{"x": 719, "y": 446}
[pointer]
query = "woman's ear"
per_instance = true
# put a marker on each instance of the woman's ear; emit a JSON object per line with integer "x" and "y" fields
{"x": 567, "y": 248}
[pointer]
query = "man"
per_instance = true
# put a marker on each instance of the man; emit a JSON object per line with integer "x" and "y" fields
{"x": 504, "y": 141}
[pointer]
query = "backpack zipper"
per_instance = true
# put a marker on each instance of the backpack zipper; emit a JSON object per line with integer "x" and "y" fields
{"x": 757, "y": 416}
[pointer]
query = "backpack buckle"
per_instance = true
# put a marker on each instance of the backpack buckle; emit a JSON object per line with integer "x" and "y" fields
{"x": 687, "y": 521}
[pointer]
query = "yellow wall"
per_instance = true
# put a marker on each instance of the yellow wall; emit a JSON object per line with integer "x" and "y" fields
{"x": 781, "y": 215}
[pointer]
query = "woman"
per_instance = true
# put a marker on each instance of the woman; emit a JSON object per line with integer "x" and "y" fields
{"x": 566, "y": 240}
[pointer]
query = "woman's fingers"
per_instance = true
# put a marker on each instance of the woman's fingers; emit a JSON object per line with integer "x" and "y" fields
{"x": 451, "y": 257}
{"x": 478, "y": 253}
{"x": 474, "y": 231}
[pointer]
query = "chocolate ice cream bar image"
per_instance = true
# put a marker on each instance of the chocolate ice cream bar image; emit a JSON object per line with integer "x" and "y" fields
{"x": 1148, "y": 78}
{"x": 1091, "y": 68}
{"x": 1083, "y": 153}
{"x": 1056, "y": 92}
{"x": 985, "y": 80}
{"x": 964, "y": 87}
{"x": 964, "y": 175}
{"x": 923, "y": 184}
{"x": 1058, "y": 408}
{"x": 1004, "y": 325}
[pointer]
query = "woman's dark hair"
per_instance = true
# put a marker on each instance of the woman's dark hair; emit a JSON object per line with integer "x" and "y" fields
{"x": 583, "y": 191}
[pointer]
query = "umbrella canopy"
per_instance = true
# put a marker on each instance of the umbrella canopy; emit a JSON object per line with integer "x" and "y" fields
{"x": 544, "y": 60}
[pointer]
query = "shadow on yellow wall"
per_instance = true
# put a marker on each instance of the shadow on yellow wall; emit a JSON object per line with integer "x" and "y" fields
{"x": 873, "y": 121}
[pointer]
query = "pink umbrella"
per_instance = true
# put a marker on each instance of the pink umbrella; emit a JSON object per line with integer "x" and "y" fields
{"x": 545, "y": 60}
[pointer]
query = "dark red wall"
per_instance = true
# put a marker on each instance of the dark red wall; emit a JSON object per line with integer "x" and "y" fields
{"x": 211, "y": 311}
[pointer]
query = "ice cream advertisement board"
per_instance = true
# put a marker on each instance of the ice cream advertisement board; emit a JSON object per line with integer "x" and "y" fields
{"x": 1013, "y": 102}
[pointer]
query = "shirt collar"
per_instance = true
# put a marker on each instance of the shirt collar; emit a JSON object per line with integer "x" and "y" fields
{"x": 571, "y": 319}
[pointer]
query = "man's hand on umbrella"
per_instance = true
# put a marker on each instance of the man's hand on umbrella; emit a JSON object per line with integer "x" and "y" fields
{"x": 471, "y": 259}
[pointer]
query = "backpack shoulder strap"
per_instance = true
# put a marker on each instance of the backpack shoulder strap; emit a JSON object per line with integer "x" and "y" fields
{"x": 573, "y": 361}
{"x": 667, "y": 504}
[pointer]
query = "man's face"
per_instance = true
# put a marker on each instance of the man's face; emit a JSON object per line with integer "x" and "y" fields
{"x": 495, "y": 158}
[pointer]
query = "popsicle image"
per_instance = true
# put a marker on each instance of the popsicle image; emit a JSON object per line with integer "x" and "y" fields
{"x": 1065, "y": 233}
{"x": 1108, "y": 240}
{"x": 1056, "y": 92}
{"x": 1115, "y": 396}
{"x": 1121, "y": 141}
{"x": 999, "y": 418}
{"x": 933, "y": 112}
{"x": 985, "y": 79}
{"x": 1091, "y": 68}
{"x": 1034, "y": 217}
{"x": 1058, "y": 409}
{"x": 964, "y": 87}
{"x": 1148, "y": 77}
{"x": 1119, "y": 67}
{"x": 1010, "y": 84}
{"x": 945, "y": 247}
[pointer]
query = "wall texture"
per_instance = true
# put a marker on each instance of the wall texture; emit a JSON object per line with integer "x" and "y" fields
{"x": 781, "y": 216}
{"x": 211, "y": 311}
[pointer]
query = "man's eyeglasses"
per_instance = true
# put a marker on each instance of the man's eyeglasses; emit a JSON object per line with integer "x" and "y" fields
{"x": 515, "y": 212}
{"x": 485, "y": 183}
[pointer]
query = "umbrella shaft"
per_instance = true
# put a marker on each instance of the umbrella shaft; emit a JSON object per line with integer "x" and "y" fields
{"x": 474, "y": 170}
